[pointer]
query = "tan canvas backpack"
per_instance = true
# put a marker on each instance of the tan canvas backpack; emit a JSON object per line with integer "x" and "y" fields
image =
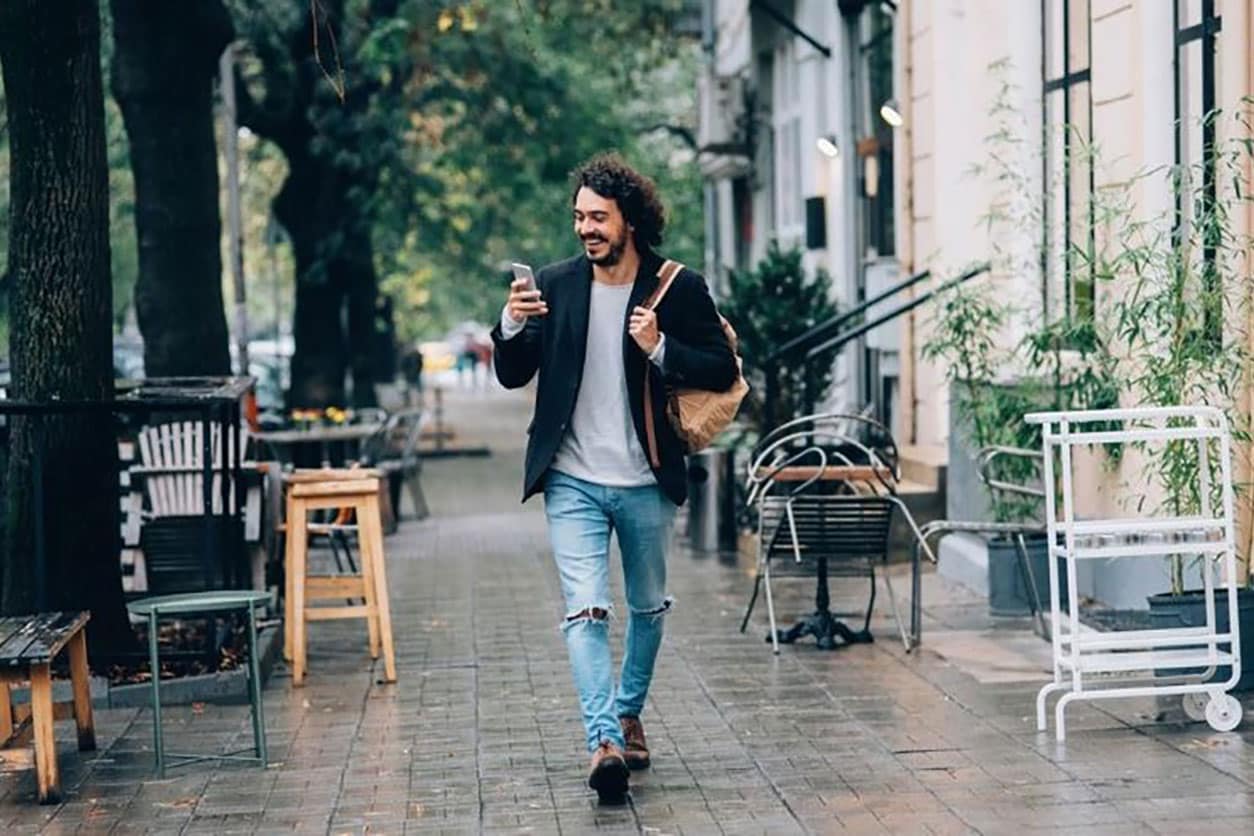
{"x": 697, "y": 415}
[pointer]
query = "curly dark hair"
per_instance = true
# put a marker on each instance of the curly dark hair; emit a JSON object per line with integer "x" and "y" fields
{"x": 611, "y": 177}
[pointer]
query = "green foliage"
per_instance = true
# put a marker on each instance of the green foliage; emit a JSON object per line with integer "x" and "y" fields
{"x": 966, "y": 336}
{"x": 1063, "y": 361}
{"x": 767, "y": 306}
{"x": 522, "y": 99}
{"x": 1183, "y": 315}
{"x": 462, "y": 122}
{"x": 123, "y": 249}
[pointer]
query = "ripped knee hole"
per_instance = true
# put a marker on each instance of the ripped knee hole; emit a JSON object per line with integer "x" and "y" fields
{"x": 589, "y": 614}
{"x": 656, "y": 611}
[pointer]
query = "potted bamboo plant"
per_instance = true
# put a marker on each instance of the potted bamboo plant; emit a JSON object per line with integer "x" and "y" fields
{"x": 1182, "y": 320}
{"x": 1063, "y": 362}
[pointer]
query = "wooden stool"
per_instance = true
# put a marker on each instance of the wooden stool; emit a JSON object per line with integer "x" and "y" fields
{"x": 28, "y": 644}
{"x": 313, "y": 490}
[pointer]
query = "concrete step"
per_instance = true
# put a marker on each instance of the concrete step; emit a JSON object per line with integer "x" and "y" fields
{"x": 908, "y": 487}
{"x": 926, "y": 502}
{"x": 924, "y": 464}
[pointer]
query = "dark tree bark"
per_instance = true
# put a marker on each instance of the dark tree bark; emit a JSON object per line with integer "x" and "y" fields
{"x": 164, "y": 64}
{"x": 60, "y": 344}
{"x": 305, "y": 206}
{"x": 362, "y": 282}
{"x": 322, "y": 207}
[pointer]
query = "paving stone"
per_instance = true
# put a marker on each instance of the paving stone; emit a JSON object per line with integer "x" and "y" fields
{"x": 482, "y": 733}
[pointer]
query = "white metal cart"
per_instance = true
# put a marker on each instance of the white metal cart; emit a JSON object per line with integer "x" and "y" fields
{"x": 1092, "y": 665}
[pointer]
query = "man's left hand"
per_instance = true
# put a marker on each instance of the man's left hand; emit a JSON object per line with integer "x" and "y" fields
{"x": 643, "y": 329}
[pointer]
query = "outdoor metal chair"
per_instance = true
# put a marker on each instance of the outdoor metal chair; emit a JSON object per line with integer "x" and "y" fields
{"x": 394, "y": 451}
{"x": 824, "y": 491}
{"x": 1018, "y": 532}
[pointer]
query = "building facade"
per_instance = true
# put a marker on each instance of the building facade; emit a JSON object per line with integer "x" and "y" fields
{"x": 1097, "y": 91}
{"x": 793, "y": 150}
{"x": 1130, "y": 78}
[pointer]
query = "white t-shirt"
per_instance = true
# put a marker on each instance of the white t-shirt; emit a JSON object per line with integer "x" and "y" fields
{"x": 600, "y": 444}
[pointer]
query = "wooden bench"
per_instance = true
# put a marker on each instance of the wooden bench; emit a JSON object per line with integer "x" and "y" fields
{"x": 28, "y": 644}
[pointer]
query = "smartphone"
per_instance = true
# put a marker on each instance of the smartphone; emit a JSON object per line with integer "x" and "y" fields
{"x": 522, "y": 271}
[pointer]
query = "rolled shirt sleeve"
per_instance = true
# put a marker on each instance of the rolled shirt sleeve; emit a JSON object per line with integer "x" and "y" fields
{"x": 659, "y": 352}
{"x": 510, "y": 327}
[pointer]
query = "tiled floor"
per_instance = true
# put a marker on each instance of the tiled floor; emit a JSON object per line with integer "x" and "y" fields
{"x": 482, "y": 733}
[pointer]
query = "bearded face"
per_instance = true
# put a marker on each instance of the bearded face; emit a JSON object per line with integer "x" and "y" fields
{"x": 601, "y": 227}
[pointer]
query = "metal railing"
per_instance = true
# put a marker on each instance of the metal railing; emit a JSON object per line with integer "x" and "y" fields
{"x": 828, "y": 337}
{"x": 213, "y": 401}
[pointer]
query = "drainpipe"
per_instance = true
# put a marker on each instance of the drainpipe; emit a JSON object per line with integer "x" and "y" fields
{"x": 903, "y": 164}
{"x": 855, "y": 353}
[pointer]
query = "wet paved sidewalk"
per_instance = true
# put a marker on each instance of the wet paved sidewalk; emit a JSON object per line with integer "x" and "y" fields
{"x": 481, "y": 734}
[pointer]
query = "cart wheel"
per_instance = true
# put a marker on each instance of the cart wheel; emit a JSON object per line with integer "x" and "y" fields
{"x": 1195, "y": 706}
{"x": 1223, "y": 712}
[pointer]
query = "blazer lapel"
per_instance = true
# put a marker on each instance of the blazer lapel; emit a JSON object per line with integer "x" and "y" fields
{"x": 577, "y": 314}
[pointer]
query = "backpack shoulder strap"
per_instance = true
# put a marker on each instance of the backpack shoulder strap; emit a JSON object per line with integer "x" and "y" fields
{"x": 666, "y": 275}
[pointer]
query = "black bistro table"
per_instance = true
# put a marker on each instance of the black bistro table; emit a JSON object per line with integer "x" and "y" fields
{"x": 822, "y": 623}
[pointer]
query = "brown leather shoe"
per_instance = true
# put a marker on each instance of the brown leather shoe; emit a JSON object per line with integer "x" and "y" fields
{"x": 637, "y": 751}
{"x": 609, "y": 772}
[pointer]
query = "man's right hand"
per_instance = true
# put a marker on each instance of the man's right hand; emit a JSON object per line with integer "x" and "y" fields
{"x": 524, "y": 303}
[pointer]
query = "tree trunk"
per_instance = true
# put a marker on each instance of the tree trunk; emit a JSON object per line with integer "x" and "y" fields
{"x": 319, "y": 361}
{"x": 322, "y": 207}
{"x": 362, "y": 285}
{"x": 164, "y": 64}
{"x": 60, "y": 344}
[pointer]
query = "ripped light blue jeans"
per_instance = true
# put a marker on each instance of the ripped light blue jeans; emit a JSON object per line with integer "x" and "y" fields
{"x": 581, "y": 516}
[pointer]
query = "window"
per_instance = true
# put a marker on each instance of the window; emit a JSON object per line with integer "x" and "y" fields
{"x": 1196, "y": 26}
{"x": 786, "y": 120}
{"x": 1067, "y": 167}
{"x": 875, "y": 150}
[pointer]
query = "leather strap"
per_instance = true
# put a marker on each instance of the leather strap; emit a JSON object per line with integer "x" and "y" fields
{"x": 666, "y": 277}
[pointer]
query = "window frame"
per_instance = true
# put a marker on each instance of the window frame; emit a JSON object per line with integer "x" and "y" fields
{"x": 786, "y": 112}
{"x": 1065, "y": 84}
{"x": 1204, "y": 32}
{"x": 875, "y": 31}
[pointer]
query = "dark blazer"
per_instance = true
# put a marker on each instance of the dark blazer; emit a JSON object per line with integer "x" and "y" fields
{"x": 697, "y": 356}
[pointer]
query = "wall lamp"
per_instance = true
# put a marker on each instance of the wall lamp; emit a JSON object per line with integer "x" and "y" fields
{"x": 890, "y": 112}
{"x": 827, "y": 146}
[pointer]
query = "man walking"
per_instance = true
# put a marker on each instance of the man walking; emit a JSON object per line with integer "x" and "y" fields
{"x": 587, "y": 332}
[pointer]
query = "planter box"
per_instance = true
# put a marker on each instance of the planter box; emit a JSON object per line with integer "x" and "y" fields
{"x": 1119, "y": 584}
{"x": 1189, "y": 610}
{"x": 224, "y": 687}
{"x": 1008, "y": 587}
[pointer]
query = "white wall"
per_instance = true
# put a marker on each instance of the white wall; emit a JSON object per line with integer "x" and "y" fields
{"x": 952, "y": 45}
{"x": 731, "y": 44}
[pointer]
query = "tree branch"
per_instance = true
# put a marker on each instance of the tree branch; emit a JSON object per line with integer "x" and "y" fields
{"x": 680, "y": 132}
